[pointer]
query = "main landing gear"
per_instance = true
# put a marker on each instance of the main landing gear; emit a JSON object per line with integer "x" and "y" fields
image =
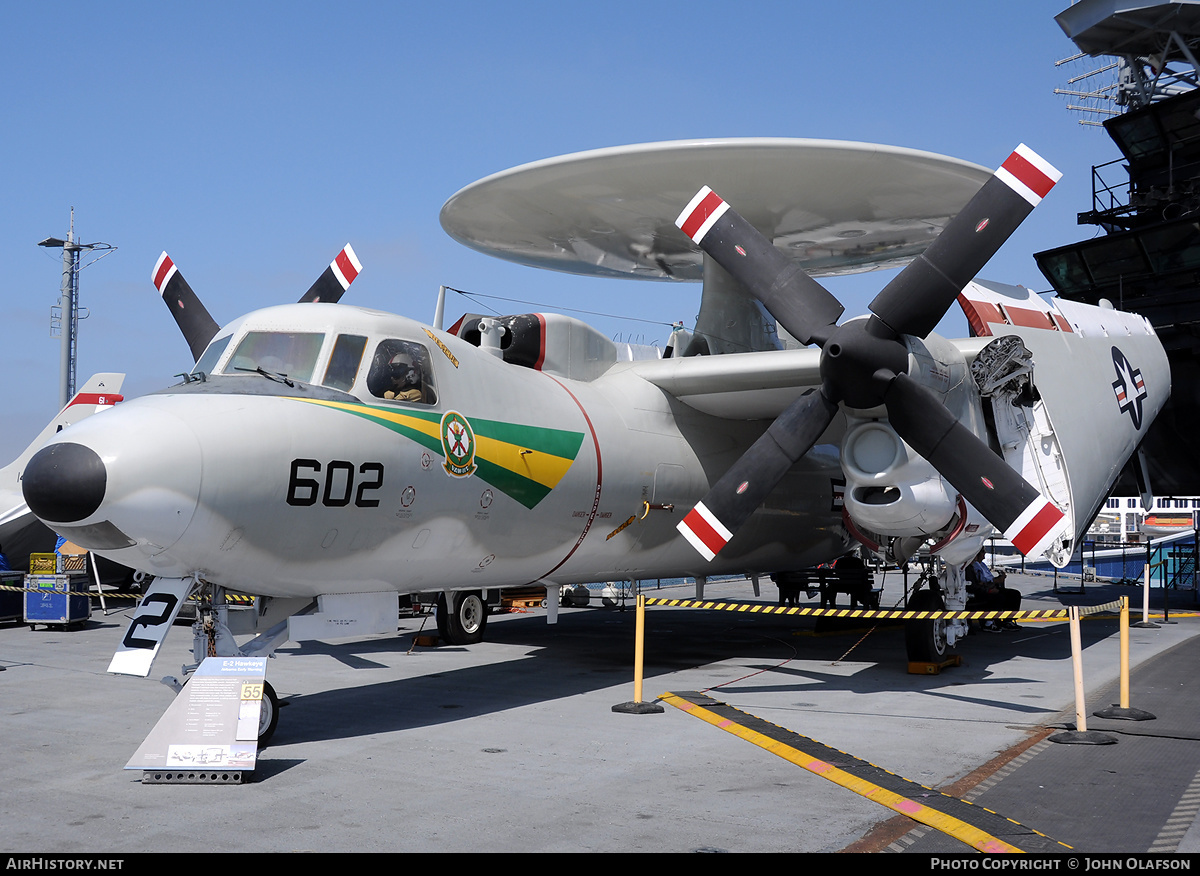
{"x": 925, "y": 640}
{"x": 465, "y": 622}
{"x": 931, "y": 641}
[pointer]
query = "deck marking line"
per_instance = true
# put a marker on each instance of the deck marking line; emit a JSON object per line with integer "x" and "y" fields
{"x": 780, "y": 741}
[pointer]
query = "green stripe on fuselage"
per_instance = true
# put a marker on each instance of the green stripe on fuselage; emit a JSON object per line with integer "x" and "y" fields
{"x": 424, "y": 428}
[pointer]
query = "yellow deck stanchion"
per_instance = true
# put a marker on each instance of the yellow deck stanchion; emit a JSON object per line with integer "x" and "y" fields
{"x": 637, "y": 707}
{"x": 1123, "y": 711}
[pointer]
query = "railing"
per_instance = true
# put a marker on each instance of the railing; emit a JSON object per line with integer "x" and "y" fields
{"x": 1173, "y": 562}
{"x": 1108, "y": 201}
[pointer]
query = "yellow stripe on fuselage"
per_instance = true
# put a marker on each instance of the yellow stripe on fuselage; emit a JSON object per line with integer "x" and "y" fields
{"x": 543, "y": 468}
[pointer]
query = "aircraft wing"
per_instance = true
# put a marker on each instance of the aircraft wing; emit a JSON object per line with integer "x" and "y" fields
{"x": 748, "y": 386}
{"x": 736, "y": 386}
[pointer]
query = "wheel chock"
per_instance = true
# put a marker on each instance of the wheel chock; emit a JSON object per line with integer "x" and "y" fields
{"x": 922, "y": 668}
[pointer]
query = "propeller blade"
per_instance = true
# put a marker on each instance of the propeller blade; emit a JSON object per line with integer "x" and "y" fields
{"x": 739, "y": 492}
{"x": 915, "y": 301}
{"x": 193, "y": 319}
{"x": 798, "y": 302}
{"x": 1025, "y": 517}
{"x": 335, "y": 279}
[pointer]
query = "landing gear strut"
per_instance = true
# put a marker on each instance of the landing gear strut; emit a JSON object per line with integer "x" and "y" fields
{"x": 211, "y": 637}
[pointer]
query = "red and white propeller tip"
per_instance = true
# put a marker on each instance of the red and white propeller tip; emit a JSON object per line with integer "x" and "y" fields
{"x": 164, "y": 270}
{"x": 704, "y": 531}
{"x": 1028, "y": 174}
{"x": 701, "y": 213}
{"x": 346, "y": 267}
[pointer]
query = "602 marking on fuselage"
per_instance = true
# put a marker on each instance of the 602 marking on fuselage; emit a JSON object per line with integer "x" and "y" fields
{"x": 339, "y": 479}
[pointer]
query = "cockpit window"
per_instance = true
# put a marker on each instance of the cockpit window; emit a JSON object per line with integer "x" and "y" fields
{"x": 344, "y": 361}
{"x": 293, "y": 354}
{"x": 208, "y": 361}
{"x": 400, "y": 371}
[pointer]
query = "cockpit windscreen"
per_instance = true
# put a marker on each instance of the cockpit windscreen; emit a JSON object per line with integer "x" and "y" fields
{"x": 291, "y": 354}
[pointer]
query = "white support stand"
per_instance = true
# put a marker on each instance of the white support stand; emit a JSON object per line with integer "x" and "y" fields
{"x": 1145, "y": 622}
{"x": 96, "y": 580}
{"x": 1080, "y": 735}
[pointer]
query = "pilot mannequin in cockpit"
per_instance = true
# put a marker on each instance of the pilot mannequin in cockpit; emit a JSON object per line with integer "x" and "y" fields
{"x": 405, "y": 379}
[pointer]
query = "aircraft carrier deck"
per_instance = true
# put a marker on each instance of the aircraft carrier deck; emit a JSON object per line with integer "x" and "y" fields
{"x": 512, "y": 745}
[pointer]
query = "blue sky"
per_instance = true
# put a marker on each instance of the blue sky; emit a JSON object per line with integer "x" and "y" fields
{"x": 252, "y": 140}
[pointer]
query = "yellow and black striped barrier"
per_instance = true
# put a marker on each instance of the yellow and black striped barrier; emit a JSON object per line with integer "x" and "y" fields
{"x": 231, "y": 598}
{"x": 880, "y": 614}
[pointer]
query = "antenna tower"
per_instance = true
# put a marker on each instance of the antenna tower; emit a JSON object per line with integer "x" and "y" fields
{"x": 68, "y": 315}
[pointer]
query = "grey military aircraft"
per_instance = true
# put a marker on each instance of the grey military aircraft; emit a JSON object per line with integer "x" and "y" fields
{"x": 326, "y": 457}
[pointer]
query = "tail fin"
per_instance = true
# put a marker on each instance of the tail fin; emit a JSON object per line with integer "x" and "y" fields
{"x": 101, "y": 391}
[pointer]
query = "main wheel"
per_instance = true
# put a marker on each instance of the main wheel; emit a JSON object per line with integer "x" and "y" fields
{"x": 925, "y": 640}
{"x": 268, "y": 714}
{"x": 464, "y": 625}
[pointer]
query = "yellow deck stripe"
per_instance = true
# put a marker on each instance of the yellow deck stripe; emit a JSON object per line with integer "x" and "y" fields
{"x": 960, "y": 830}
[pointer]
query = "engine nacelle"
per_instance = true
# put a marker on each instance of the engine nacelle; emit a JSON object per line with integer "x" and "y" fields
{"x": 890, "y": 489}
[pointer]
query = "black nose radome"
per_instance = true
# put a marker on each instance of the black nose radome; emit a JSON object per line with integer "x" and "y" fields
{"x": 64, "y": 482}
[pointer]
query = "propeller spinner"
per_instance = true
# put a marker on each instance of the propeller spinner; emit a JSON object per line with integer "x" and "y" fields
{"x": 864, "y": 362}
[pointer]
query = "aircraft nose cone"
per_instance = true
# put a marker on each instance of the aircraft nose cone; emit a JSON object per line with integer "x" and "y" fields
{"x": 64, "y": 482}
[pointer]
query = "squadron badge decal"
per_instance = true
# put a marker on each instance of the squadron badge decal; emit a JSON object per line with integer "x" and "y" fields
{"x": 458, "y": 441}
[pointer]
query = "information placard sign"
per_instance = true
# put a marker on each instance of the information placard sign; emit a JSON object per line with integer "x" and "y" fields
{"x": 213, "y": 722}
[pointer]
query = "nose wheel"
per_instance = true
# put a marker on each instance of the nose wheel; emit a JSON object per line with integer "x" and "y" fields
{"x": 268, "y": 714}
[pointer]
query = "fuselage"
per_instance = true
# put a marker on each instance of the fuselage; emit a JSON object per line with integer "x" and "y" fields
{"x": 321, "y": 448}
{"x": 287, "y": 471}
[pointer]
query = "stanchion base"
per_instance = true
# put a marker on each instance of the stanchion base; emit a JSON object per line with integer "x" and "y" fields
{"x": 1125, "y": 714}
{"x": 1145, "y": 625}
{"x": 638, "y": 708}
{"x": 1083, "y": 737}
{"x": 195, "y": 777}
